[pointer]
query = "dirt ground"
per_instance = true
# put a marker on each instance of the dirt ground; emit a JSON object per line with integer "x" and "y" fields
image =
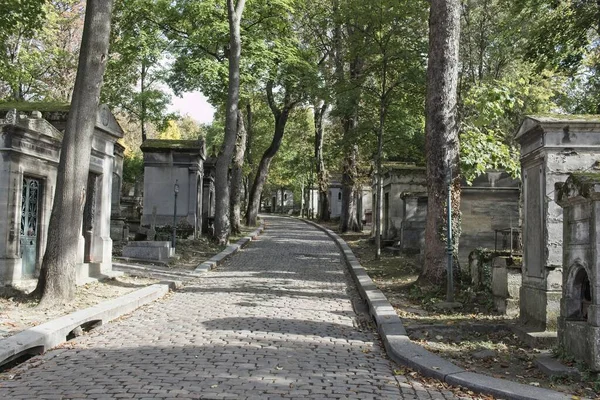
{"x": 18, "y": 312}
{"x": 475, "y": 337}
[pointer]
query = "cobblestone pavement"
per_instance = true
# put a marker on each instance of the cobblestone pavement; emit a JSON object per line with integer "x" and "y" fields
{"x": 276, "y": 321}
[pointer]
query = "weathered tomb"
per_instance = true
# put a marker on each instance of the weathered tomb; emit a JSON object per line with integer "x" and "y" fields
{"x": 412, "y": 226}
{"x": 282, "y": 200}
{"x": 551, "y": 148}
{"x": 579, "y": 321}
{"x": 334, "y": 194}
{"x": 168, "y": 163}
{"x": 401, "y": 181}
{"x": 118, "y": 227}
{"x": 489, "y": 204}
{"x": 30, "y": 151}
{"x": 208, "y": 195}
{"x": 489, "y": 209}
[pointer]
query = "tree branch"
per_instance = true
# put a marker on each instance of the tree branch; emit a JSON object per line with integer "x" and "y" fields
{"x": 276, "y": 111}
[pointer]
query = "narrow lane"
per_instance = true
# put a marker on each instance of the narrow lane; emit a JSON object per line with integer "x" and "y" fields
{"x": 274, "y": 322}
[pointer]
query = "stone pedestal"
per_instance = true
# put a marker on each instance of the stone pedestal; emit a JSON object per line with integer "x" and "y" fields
{"x": 506, "y": 286}
{"x": 551, "y": 148}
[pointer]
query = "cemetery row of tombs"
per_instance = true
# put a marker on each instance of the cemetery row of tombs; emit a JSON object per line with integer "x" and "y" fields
{"x": 555, "y": 288}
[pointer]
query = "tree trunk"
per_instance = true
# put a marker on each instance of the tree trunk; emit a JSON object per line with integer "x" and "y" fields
{"x": 441, "y": 131}
{"x": 222, "y": 199}
{"x": 249, "y": 153}
{"x": 322, "y": 183}
{"x": 236, "y": 176}
{"x": 378, "y": 179}
{"x": 57, "y": 276}
{"x": 281, "y": 117}
{"x": 348, "y": 219}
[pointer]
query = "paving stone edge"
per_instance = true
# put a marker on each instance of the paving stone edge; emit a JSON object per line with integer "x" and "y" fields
{"x": 404, "y": 351}
{"x": 43, "y": 337}
{"x": 229, "y": 250}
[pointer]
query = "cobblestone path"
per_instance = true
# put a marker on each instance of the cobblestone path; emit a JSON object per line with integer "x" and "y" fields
{"x": 275, "y": 322}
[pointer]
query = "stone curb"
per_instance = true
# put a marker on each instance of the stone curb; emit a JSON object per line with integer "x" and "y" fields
{"x": 404, "y": 351}
{"x": 43, "y": 337}
{"x": 229, "y": 250}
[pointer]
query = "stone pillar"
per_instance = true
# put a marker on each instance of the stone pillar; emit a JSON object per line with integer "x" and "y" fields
{"x": 579, "y": 321}
{"x": 551, "y": 148}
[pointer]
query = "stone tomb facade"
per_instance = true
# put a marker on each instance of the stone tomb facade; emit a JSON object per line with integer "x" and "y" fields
{"x": 167, "y": 162}
{"x": 401, "y": 182}
{"x": 579, "y": 321}
{"x": 30, "y": 149}
{"x": 551, "y": 148}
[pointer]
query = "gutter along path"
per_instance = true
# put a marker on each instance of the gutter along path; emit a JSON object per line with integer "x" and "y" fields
{"x": 276, "y": 320}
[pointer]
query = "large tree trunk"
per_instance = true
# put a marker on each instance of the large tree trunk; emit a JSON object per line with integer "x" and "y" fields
{"x": 57, "y": 275}
{"x": 249, "y": 153}
{"x": 348, "y": 218}
{"x": 281, "y": 117}
{"x": 222, "y": 199}
{"x": 441, "y": 146}
{"x": 378, "y": 177}
{"x": 236, "y": 176}
{"x": 322, "y": 183}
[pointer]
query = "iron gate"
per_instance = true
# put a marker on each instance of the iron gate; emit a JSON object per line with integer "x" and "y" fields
{"x": 29, "y": 224}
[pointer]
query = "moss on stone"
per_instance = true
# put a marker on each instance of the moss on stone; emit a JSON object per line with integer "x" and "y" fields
{"x": 567, "y": 117}
{"x": 167, "y": 144}
{"x": 29, "y": 106}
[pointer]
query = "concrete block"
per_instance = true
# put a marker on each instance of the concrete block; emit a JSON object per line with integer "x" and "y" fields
{"x": 402, "y": 350}
{"x": 502, "y": 388}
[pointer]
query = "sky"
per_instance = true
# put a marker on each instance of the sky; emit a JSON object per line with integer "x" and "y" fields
{"x": 195, "y": 105}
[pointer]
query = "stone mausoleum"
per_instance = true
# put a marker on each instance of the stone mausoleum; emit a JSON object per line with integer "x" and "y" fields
{"x": 177, "y": 162}
{"x": 579, "y": 321}
{"x": 551, "y": 148}
{"x": 30, "y": 144}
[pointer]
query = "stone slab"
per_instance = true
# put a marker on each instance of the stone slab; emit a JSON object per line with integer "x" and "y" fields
{"x": 148, "y": 250}
{"x": 535, "y": 338}
{"x": 553, "y": 367}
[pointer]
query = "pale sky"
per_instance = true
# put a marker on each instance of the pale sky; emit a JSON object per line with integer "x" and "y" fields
{"x": 195, "y": 105}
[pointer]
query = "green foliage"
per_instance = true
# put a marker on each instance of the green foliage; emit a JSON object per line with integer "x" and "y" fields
{"x": 135, "y": 75}
{"x": 40, "y": 43}
{"x": 492, "y": 111}
{"x": 133, "y": 167}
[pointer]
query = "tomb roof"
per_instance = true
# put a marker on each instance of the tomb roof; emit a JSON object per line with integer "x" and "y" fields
{"x": 391, "y": 165}
{"x": 532, "y": 122}
{"x": 57, "y": 112}
{"x": 170, "y": 144}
